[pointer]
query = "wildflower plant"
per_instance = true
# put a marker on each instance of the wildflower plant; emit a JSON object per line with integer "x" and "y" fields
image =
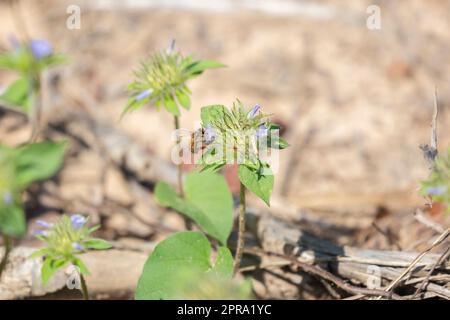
{"x": 28, "y": 60}
{"x": 20, "y": 167}
{"x": 244, "y": 136}
{"x": 65, "y": 241}
{"x": 437, "y": 186}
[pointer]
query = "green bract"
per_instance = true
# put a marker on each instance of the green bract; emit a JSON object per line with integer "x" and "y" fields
{"x": 18, "y": 169}
{"x": 437, "y": 186}
{"x": 65, "y": 240}
{"x": 162, "y": 80}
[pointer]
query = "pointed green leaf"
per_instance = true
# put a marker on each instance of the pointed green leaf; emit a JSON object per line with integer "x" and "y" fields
{"x": 198, "y": 67}
{"x": 183, "y": 99}
{"x": 224, "y": 263}
{"x": 260, "y": 185}
{"x": 18, "y": 95}
{"x": 171, "y": 106}
{"x": 97, "y": 244}
{"x": 12, "y": 220}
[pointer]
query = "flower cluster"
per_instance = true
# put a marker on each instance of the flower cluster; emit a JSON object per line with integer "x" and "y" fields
{"x": 65, "y": 240}
{"x": 437, "y": 186}
{"x": 162, "y": 78}
{"x": 238, "y": 135}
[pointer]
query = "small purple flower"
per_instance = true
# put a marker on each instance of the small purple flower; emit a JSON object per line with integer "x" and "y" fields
{"x": 436, "y": 191}
{"x": 41, "y": 49}
{"x": 262, "y": 131}
{"x": 144, "y": 94}
{"x": 77, "y": 246}
{"x": 77, "y": 221}
{"x": 44, "y": 224}
{"x": 8, "y": 198}
{"x": 38, "y": 233}
{"x": 171, "y": 47}
{"x": 253, "y": 112}
{"x": 209, "y": 134}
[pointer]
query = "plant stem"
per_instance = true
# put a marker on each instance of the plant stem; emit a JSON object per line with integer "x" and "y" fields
{"x": 84, "y": 288}
{"x": 241, "y": 240}
{"x": 8, "y": 246}
{"x": 37, "y": 107}
{"x": 187, "y": 222}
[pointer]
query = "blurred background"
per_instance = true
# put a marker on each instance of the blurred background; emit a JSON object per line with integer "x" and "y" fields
{"x": 355, "y": 103}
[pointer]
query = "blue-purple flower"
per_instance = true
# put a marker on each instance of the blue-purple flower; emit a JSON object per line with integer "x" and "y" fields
{"x": 262, "y": 131}
{"x": 41, "y": 49}
{"x": 171, "y": 47}
{"x": 77, "y": 246}
{"x": 436, "y": 191}
{"x": 44, "y": 224}
{"x": 39, "y": 233}
{"x": 144, "y": 94}
{"x": 254, "y": 111}
{"x": 77, "y": 221}
{"x": 8, "y": 198}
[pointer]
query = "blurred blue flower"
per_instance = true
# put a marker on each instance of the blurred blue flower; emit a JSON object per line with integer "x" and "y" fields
{"x": 254, "y": 111}
{"x": 8, "y": 198}
{"x": 77, "y": 246}
{"x": 144, "y": 94}
{"x": 44, "y": 224}
{"x": 77, "y": 221}
{"x": 209, "y": 134}
{"x": 38, "y": 233}
{"x": 436, "y": 191}
{"x": 41, "y": 49}
{"x": 262, "y": 131}
{"x": 171, "y": 47}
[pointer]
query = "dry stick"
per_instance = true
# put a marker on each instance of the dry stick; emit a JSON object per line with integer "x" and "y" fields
{"x": 386, "y": 235}
{"x": 421, "y": 218}
{"x": 8, "y": 246}
{"x": 425, "y": 281}
{"x": 438, "y": 241}
{"x": 241, "y": 240}
{"x": 317, "y": 271}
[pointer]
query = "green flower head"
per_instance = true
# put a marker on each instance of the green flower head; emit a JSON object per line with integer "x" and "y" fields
{"x": 65, "y": 240}
{"x": 161, "y": 79}
{"x": 237, "y": 135}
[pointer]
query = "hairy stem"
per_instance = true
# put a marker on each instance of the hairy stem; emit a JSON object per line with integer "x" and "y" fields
{"x": 7, "y": 242}
{"x": 84, "y": 288}
{"x": 187, "y": 222}
{"x": 241, "y": 240}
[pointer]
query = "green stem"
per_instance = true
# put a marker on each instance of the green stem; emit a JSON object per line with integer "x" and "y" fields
{"x": 241, "y": 232}
{"x": 84, "y": 288}
{"x": 37, "y": 107}
{"x": 7, "y": 242}
{"x": 187, "y": 222}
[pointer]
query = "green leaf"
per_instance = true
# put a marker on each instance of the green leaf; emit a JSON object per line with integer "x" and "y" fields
{"x": 49, "y": 267}
{"x": 80, "y": 264}
{"x": 182, "y": 256}
{"x": 183, "y": 99}
{"x": 38, "y": 161}
{"x": 198, "y": 67}
{"x": 260, "y": 185}
{"x": 97, "y": 244}
{"x": 208, "y": 202}
{"x": 12, "y": 220}
{"x": 171, "y": 106}
{"x": 224, "y": 263}
{"x": 18, "y": 95}
{"x": 40, "y": 252}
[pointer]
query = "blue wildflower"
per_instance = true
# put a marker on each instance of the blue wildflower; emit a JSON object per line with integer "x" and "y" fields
{"x": 171, "y": 47}
{"x": 41, "y": 49}
{"x": 77, "y": 246}
{"x": 209, "y": 134}
{"x": 144, "y": 94}
{"x": 254, "y": 111}
{"x": 262, "y": 131}
{"x": 38, "y": 233}
{"x": 77, "y": 221}
{"x": 436, "y": 191}
{"x": 44, "y": 224}
{"x": 8, "y": 198}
